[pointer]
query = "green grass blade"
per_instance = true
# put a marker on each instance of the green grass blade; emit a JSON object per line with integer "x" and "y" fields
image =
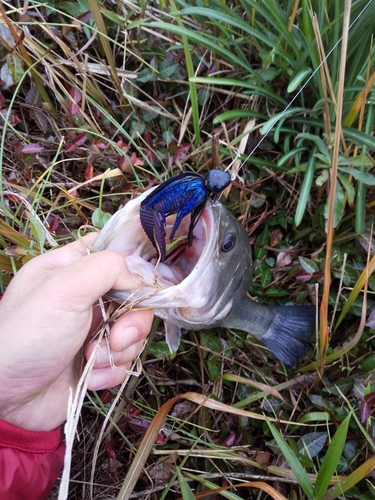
{"x": 331, "y": 459}
{"x": 275, "y": 119}
{"x": 294, "y": 463}
{"x": 206, "y": 42}
{"x": 358, "y": 475}
{"x": 186, "y": 492}
{"x": 306, "y": 188}
{"x": 255, "y": 89}
{"x": 350, "y": 134}
{"x": 235, "y": 20}
{"x": 190, "y": 72}
{"x": 361, "y": 188}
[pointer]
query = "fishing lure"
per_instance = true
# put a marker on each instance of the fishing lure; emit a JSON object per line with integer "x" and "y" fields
{"x": 183, "y": 194}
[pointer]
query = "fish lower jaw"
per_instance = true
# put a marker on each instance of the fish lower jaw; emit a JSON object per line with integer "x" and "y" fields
{"x": 194, "y": 317}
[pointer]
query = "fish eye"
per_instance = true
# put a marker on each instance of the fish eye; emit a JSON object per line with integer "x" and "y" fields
{"x": 228, "y": 243}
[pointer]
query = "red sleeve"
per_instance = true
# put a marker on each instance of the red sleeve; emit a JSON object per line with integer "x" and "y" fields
{"x": 29, "y": 462}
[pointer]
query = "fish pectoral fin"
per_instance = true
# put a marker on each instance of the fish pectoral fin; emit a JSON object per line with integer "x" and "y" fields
{"x": 172, "y": 335}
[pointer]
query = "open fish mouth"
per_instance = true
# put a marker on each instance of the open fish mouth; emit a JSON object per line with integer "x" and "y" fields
{"x": 185, "y": 268}
{"x": 181, "y": 259}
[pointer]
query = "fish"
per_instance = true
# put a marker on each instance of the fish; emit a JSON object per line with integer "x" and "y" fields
{"x": 204, "y": 285}
{"x": 182, "y": 194}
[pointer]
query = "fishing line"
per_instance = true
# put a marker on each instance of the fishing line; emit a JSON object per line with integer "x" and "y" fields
{"x": 295, "y": 97}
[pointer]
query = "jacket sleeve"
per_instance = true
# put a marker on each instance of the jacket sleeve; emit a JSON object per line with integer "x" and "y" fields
{"x": 29, "y": 462}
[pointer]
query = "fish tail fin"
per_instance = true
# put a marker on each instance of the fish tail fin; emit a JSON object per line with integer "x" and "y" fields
{"x": 290, "y": 332}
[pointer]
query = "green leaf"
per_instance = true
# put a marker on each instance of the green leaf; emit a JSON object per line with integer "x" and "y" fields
{"x": 231, "y": 82}
{"x": 234, "y": 114}
{"x": 341, "y": 386}
{"x": 349, "y": 188}
{"x": 338, "y": 208}
{"x": 356, "y": 161}
{"x": 15, "y": 66}
{"x": 364, "y": 177}
{"x": 159, "y": 350}
{"x": 331, "y": 459}
{"x": 113, "y": 17}
{"x": 278, "y": 116}
{"x": 322, "y": 177}
{"x": 294, "y": 463}
{"x": 99, "y": 218}
{"x": 315, "y": 139}
{"x": 263, "y": 239}
{"x": 298, "y": 79}
{"x": 6, "y": 76}
{"x": 265, "y": 274}
{"x": 368, "y": 364}
{"x": 186, "y": 492}
{"x": 290, "y": 154}
{"x": 308, "y": 265}
{"x": 312, "y": 443}
{"x": 147, "y": 75}
{"x": 276, "y": 292}
{"x": 306, "y": 188}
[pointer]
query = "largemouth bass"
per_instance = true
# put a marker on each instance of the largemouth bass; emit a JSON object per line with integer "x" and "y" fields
{"x": 204, "y": 285}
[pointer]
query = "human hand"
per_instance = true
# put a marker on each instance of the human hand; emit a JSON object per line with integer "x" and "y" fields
{"x": 46, "y": 315}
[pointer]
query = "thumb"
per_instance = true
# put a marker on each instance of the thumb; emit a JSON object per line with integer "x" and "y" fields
{"x": 90, "y": 277}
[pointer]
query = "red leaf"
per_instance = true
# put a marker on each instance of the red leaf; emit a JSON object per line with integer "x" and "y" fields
{"x": 75, "y": 94}
{"x": 106, "y": 396}
{"x": 13, "y": 119}
{"x": 134, "y": 160}
{"x": 109, "y": 449}
{"x": 139, "y": 424}
{"x": 133, "y": 411}
{"x": 230, "y": 440}
{"x": 181, "y": 150}
{"x": 2, "y": 100}
{"x": 276, "y": 237}
{"x": 78, "y": 141}
{"x": 74, "y": 108}
{"x": 54, "y": 223}
{"x": 32, "y": 148}
{"x": 120, "y": 144}
{"x": 100, "y": 144}
{"x": 365, "y": 411}
{"x": 370, "y": 398}
{"x": 160, "y": 439}
{"x": 303, "y": 277}
{"x": 151, "y": 156}
{"x": 85, "y": 17}
{"x": 89, "y": 172}
{"x": 13, "y": 198}
{"x": 73, "y": 105}
{"x": 16, "y": 145}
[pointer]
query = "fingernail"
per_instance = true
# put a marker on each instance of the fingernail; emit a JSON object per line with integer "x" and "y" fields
{"x": 130, "y": 336}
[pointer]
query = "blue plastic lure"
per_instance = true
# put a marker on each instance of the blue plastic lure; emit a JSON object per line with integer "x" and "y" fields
{"x": 183, "y": 194}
